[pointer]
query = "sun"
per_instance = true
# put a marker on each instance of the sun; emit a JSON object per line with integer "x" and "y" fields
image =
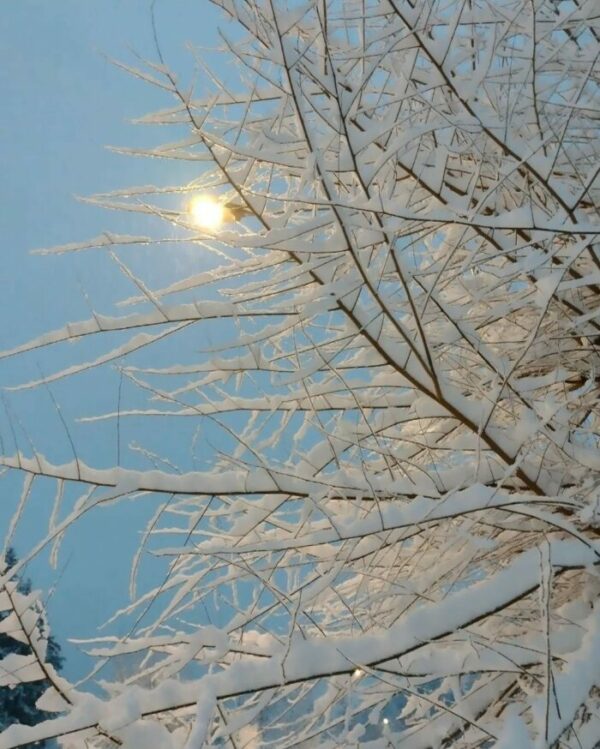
{"x": 207, "y": 212}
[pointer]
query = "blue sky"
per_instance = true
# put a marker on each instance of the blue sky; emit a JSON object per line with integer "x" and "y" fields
{"x": 63, "y": 101}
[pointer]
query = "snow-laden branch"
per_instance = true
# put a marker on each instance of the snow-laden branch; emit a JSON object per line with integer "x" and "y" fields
{"x": 383, "y": 381}
{"x": 316, "y": 659}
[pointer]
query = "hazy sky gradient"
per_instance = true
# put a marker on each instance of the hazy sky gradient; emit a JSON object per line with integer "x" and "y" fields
{"x": 63, "y": 101}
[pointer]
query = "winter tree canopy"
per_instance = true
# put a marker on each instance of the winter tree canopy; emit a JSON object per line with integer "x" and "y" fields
{"x": 385, "y": 528}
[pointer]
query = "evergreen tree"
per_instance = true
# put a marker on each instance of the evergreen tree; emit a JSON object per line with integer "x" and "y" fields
{"x": 18, "y": 702}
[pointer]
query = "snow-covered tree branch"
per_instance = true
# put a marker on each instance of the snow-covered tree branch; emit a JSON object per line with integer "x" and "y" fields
{"x": 395, "y": 537}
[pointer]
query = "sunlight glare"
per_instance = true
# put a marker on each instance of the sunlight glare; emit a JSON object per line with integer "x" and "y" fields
{"x": 207, "y": 212}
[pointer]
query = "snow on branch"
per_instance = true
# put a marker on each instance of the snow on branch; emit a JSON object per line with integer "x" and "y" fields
{"x": 379, "y": 516}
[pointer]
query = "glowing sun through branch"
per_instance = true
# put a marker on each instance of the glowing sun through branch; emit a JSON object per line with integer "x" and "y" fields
{"x": 207, "y": 212}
